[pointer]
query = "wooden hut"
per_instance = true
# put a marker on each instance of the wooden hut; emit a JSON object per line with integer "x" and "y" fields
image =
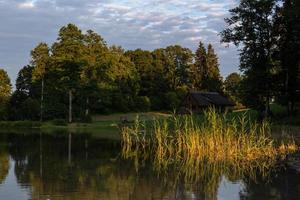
{"x": 196, "y": 102}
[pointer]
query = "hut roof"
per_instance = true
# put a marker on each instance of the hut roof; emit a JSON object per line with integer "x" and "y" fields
{"x": 211, "y": 98}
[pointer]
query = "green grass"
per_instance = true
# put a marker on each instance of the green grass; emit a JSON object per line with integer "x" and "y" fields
{"x": 106, "y": 125}
{"x": 103, "y": 126}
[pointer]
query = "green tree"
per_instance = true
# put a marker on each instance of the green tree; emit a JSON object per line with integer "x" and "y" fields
{"x": 5, "y": 85}
{"x": 93, "y": 71}
{"x": 40, "y": 60}
{"x": 25, "y": 88}
{"x": 288, "y": 22}
{"x": 67, "y": 53}
{"x": 212, "y": 80}
{"x": 232, "y": 86}
{"x": 5, "y": 92}
{"x": 199, "y": 68}
{"x": 143, "y": 62}
{"x": 123, "y": 77}
{"x": 177, "y": 66}
{"x": 251, "y": 28}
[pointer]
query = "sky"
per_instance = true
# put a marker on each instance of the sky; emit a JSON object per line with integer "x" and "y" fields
{"x": 146, "y": 24}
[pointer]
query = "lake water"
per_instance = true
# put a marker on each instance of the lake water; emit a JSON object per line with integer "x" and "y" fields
{"x": 78, "y": 166}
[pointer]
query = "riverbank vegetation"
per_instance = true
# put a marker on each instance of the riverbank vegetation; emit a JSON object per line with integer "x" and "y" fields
{"x": 215, "y": 138}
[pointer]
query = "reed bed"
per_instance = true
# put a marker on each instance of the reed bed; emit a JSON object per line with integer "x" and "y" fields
{"x": 213, "y": 137}
{"x": 203, "y": 149}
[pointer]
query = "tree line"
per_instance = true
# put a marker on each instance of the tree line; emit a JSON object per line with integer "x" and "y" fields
{"x": 79, "y": 74}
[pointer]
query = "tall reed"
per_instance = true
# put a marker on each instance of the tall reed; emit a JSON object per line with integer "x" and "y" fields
{"x": 213, "y": 138}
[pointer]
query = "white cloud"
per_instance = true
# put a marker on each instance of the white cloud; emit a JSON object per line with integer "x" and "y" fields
{"x": 26, "y": 5}
{"x": 147, "y": 24}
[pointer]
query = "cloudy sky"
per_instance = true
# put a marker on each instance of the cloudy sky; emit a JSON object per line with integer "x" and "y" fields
{"x": 146, "y": 24}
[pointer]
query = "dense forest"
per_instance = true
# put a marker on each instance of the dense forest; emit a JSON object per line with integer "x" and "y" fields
{"x": 79, "y": 74}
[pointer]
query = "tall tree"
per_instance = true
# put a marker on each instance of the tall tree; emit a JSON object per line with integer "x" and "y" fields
{"x": 24, "y": 82}
{"x": 199, "y": 68}
{"x": 23, "y": 102}
{"x": 178, "y": 64}
{"x": 211, "y": 77}
{"x": 250, "y": 27}
{"x": 40, "y": 60}
{"x": 5, "y": 92}
{"x": 68, "y": 60}
{"x": 5, "y": 85}
{"x": 92, "y": 73}
{"x": 289, "y": 44}
{"x": 122, "y": 76}
{"x": 143, "y": 63}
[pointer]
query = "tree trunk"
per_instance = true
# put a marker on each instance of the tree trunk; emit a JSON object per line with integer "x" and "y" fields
{"x": 69, "y": 149}
{"x": 87, "y": 107}
{"x": 41, "y": 156}
{"x": 70, "y": 106}
{"x": 42, "y": 100}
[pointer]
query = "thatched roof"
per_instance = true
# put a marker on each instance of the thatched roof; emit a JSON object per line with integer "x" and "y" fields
{"x": 210, "y": 98}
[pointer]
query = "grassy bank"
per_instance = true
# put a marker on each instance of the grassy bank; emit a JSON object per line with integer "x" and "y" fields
{"x": 106, "y": 126}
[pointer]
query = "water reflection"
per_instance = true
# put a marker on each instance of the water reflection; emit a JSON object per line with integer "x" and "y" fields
{"x": 77, "y": 166}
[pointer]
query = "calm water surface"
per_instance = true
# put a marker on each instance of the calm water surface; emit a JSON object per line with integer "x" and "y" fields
{"x": 74, "y": 166}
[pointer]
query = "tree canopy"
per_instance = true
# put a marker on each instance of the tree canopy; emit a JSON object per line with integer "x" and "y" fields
{"x": 250, "y": 28}
{"x": 79, "y": 75}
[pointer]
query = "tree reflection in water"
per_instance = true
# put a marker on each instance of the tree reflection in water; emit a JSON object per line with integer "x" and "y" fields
{"x": 77, "y": 166}
{"x": 4, "y": 166}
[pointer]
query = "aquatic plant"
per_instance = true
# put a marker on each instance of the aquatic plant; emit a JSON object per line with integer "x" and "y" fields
{"x": 204, "y": 149}
{"x": 212, "y": 137}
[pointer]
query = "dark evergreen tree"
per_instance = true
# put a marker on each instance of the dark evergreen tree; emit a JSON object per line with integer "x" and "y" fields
{"x": 199, "y": 69}
{"x": 212, "y": 80}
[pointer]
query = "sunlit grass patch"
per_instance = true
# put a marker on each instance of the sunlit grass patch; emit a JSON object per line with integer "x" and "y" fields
{"x": 212, "y": 137}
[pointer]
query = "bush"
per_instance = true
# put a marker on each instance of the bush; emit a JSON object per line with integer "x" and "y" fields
{"x": 171, "y": 100}
{"x": 278, "y": 111}
{"x": 30, "y": 109}
{"x": 59, "y": 122}
{"x": 3, "y": 111}
{"x": 156, "y": 102}
{"x": 143, "y": 103}
{"x": 20, "y": 124}
{"x": 120, "y": 103}
{"x": 86, "y": 119}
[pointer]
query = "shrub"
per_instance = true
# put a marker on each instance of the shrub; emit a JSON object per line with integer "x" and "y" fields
{"x": 143, "y": 103}
{"x": 86, "y": 119}
{"x": 278, "y": 111}
{"x": 171, "y": 100}
{"x": 3, "y": 111}
{"x": 30, "y": 109}
{"x": 156, "y": 102}
{"x": 20, "y": 124}
{"x": 59, "y": 122}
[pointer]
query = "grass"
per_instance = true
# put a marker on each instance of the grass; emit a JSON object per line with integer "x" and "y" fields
{"x": 214, "y": 138}
{"x": 20, "y": 124}
{"x": 204, "y": 149}
{"x": 103, "y": 126}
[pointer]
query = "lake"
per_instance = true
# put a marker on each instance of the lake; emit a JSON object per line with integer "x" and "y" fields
{"x": 79, "y": 166}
